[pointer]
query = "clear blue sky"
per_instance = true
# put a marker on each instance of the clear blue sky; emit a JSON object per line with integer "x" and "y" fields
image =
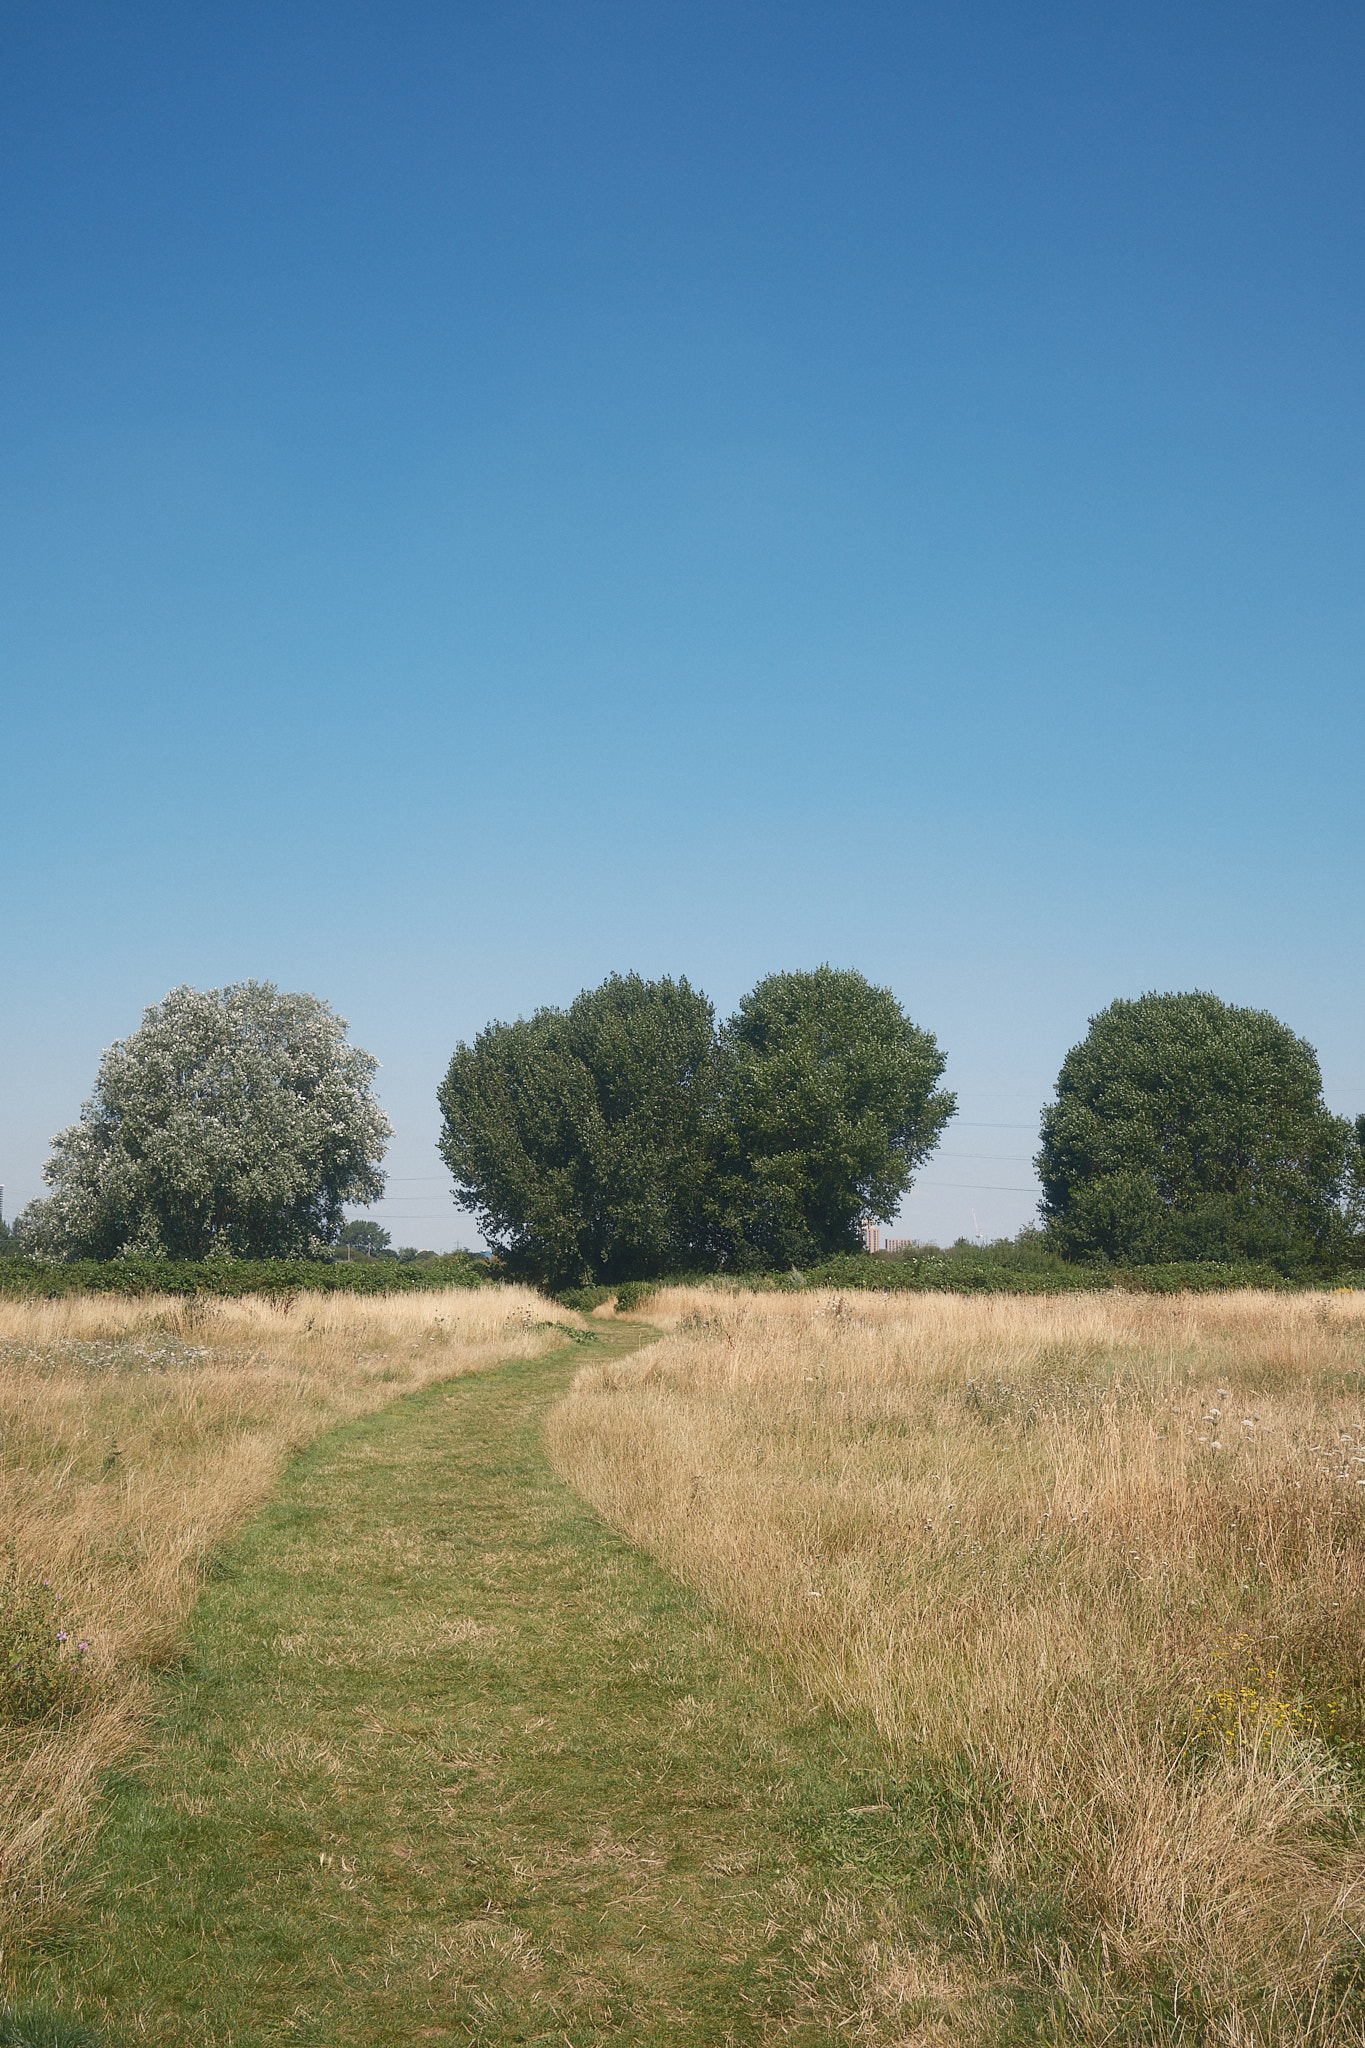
{"x": 496, "y": 493}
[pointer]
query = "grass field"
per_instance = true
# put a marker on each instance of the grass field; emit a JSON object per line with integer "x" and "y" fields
{"x": 447, "y": 1759}
{"x": 909, "y": 1672}
{"x": 1091, "y": 1566}
{"x": 135, "y": 1438}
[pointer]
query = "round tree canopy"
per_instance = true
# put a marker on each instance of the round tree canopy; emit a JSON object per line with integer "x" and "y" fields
{"x": 235, "y": 1120}
{"x": 1187, "y": 1128}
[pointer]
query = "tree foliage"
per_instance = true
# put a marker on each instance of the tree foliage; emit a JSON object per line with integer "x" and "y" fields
{"x": 236, "y": 1121}
{"x": 830, "y": 1102}
{"x": 624, "y": 1137}
{"x": 1353, "y": 1189}
{"x": 1187, "y": 1128}
{"x": 365, "y": 1235}
{"x": 580, "y": 1137}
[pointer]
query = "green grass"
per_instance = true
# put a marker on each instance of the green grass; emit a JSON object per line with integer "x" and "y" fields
{"x": 34, "y": 2027}
{"x": 449, "y": 1760}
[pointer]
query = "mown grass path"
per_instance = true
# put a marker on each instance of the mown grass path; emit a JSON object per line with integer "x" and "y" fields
{"x": 449, "y": 1760}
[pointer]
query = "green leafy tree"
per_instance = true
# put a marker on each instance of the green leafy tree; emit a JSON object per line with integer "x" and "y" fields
{"x": 581, "y": 1138}
{"x": 1353, "y": 1202}
{"x": 830, "y": 1103}
{"x": 365, "y": 1235}
{"x": 234, "y": 1121}
{"x": 1187, "y": 1128}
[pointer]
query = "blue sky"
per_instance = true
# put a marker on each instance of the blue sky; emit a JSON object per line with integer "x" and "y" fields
{"x": 493, "y": 494}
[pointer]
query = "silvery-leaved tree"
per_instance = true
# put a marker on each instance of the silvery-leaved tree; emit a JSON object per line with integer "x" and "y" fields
{"x": 234, "y": 1121}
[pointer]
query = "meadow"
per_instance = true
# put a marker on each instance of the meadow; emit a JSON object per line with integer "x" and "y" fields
{"x": 975, "y": 1669}
{"x": 136, "y": 1438}
{"x": 1089, "y": 1570}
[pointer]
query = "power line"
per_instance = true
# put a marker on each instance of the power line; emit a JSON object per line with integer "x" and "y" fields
{"x": 1005, "y": 1158}
{"x": 965, "y": 1124}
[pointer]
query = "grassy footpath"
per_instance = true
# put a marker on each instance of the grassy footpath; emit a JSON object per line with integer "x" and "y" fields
{"x": 448, "y": 1760}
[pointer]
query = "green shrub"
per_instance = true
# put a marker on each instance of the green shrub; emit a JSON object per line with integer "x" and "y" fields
{"x": 628, "y": 1295}
{"x": 634, "y": 1294}
{"x": 1198, "y": 1277}
{"x": 41, "y": 1668}
{"x": 584, "y": 1299}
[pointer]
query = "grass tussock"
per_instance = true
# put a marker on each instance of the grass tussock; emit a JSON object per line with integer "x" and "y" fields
{"x": 135, "y": 1437}
{"x": 1092, "y": 1569}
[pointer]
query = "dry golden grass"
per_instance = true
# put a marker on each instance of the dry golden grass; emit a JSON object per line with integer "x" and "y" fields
{"x": 135, "y": 1436}
{"x": 1097, "y": 1561}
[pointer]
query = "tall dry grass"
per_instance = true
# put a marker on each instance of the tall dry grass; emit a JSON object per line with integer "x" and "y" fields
{"x": 1093, "y": 1564}
{"x": 135, "y": 1437}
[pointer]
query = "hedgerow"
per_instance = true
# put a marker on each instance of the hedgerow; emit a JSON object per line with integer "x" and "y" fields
{"x": 958, "y": 1269}
{"x": 40, "y": 1278}
{"x": 957, "y": 1272}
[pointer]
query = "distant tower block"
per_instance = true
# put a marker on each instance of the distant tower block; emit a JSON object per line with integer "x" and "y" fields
{"x": 871, "y": 1236}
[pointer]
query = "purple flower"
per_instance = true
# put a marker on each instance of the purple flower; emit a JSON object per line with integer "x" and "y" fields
{"x": 61, "y": 1635}
{"x": 82, "y": 1646}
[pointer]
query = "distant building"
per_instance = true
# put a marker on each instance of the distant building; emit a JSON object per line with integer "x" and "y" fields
{"x": 872, "y": 1239}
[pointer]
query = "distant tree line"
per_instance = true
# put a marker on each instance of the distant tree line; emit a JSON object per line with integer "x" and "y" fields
{"x": 633, "y": 1135}
{"x": 371, "y": 1241}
